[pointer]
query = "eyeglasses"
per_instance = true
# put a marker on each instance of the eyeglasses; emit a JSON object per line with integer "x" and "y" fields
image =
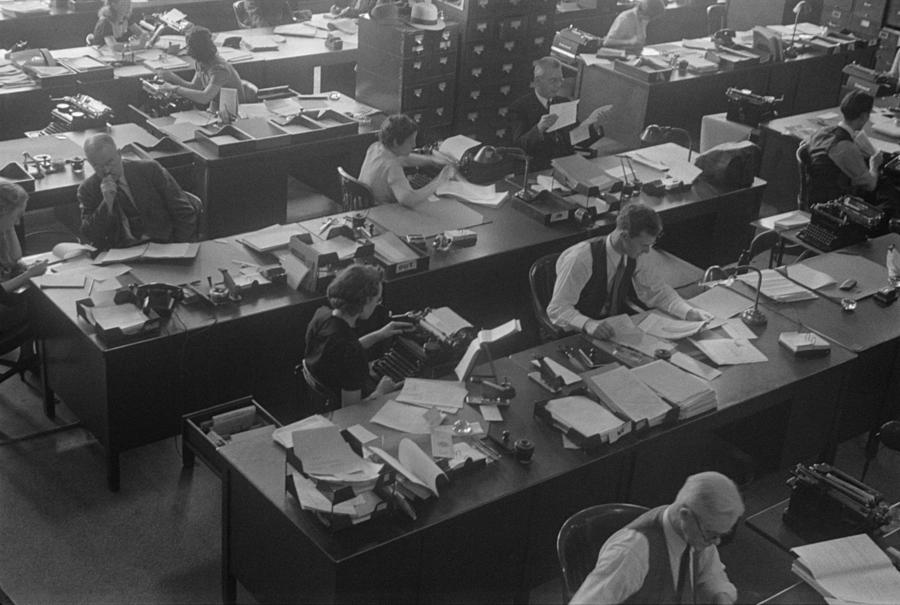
{"x": 713, "y": 537}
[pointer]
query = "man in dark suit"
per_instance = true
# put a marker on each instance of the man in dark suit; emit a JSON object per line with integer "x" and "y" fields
{"x": 126, "y": 202}
{"x": 530, "y": 118}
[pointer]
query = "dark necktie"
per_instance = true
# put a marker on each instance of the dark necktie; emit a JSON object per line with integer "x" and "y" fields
{"x": 685, "y": 588}
{"x": 134, "y": 226}
{"x": 615, "y": 293}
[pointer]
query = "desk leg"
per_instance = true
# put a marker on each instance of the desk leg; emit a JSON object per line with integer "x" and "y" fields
{"x": 49, "y": 397}
{"x": 229, "y": 583}
{"x": 112, "y": 469}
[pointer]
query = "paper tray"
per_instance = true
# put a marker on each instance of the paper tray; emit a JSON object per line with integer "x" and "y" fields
{"x": 417, "y": 263}
{"x": 585, "y": 442}
{"x": 15, "y": 173}
{"x": 646, "y": 74}
{"x": 115, "y": 336}
{"x": 234, "y": 140}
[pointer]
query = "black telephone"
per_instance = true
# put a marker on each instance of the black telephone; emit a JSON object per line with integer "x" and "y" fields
{"x": 158, "y": 297}
{"x": 724, "y": 37}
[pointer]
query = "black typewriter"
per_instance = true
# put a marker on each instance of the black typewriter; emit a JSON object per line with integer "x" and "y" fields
{"x": 842, "y": 222}
{"x": 421, "y": 176}
{"x": 76, "y": 113}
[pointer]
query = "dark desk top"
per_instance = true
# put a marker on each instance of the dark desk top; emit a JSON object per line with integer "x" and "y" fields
{"x": 802, "y": 125}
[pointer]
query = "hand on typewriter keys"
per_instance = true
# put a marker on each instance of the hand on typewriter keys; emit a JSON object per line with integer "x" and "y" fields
{"x": 385, "y": 386}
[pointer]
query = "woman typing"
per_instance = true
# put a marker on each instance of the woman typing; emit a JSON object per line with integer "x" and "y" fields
{"x": 336, "y": 358}
{"x": 382, "y": 170}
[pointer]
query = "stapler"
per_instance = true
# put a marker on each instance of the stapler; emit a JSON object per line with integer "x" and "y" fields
{"x": 504, "y": 390}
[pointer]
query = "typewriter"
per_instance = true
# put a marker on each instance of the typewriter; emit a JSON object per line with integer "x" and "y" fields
{"x": 158, "y": 103}
{"x": 431, "y": 349}
{"x": 570, "y": 42}
{"x": 77, "y": 113}
{"x": 842, "y": 222}
{"x": 869, "y": 81}
{"x": 747, "y": 107}
{"x": 828, "y": 503}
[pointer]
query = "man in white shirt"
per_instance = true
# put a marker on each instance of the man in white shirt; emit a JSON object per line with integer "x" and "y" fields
{"x": 842, "y": 160}
{"x": 596, "y": 278}
{"x": 669, "y": 554}
{"x": 629, "y": 30}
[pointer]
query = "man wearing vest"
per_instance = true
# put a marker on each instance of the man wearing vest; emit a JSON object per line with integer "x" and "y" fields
{"x": 842, "y": 160}
{"x": 596, "y": 278}
{"x": 669, "y": 554}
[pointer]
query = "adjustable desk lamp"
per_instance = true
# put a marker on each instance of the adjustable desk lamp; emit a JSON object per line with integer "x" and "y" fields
{"x": 489, "y": 154}
{"x": 715, "y": 274}
{"x": 654, "y": 134}
{"x": 801, "y": 8}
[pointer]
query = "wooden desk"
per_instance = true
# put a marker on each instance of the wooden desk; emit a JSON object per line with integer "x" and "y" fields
{"x": 490, "y": 536}
{"x": 807, "y": 83}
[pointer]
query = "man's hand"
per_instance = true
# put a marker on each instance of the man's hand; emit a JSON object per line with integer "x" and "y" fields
{"x": 599, "y": 329}
{"x": 166, "y": 76}
{"x": 722, "y": 598}
{"x": 876, "y": 161}
{"x": 108, "y": 189}
{"x": 599, "y": 116}
{"x": 546, "y": 122}
{"x": 385, "y": 386}
{"x": 36, "y": 269}
{"x": 696, "y": 314}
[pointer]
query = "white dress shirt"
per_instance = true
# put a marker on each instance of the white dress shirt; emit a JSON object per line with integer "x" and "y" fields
{"x": 850, "y": 157}
{"x": 623, "y": 564}
{"x": 574, "y": 269}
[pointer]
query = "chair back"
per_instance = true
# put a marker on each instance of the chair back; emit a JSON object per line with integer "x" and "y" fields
{"x": 240, "y": 14}
{"x": 542, "y": 278}
{"x": 716, "y": 17}
{"x": 581, "y": 537}
{"x": 767, "y": 240}
{"x": 197, "y": 203}
{"x": 355, "y": 195}
{"x": 803, "y": 162}
{"x": 249, "y": 92}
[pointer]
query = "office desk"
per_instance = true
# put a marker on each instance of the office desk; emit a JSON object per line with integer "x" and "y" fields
{"x": 491, "y": 534}
{"x": 807, "y": 83}
{"x": 782, "y": 136}
{"x": 872, "y": 331}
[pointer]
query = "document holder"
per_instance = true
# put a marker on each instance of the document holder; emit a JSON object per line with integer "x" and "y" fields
{"x": 588, "y": 443}
{"x": 115, "y": 336}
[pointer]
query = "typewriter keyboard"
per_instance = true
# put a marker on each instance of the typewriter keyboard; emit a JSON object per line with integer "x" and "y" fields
{"x": 821, "y": 238}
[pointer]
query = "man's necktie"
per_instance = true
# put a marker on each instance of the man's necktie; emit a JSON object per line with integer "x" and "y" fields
{"x": 615, "y": 293}
{"x": 132, "y": 223}
{"x": 685, "y": 588}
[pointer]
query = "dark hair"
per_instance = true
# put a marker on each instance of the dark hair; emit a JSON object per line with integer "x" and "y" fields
{"x": 12, "y": 197}
{"x": 855, "y": 104}
{"x": 353, "y": 287}
{"x": 109, "y": 10}
{"x": 635, "y": 219}
{"x": 200, "y": 46}
{"x": 652, "y": 8}
{"x": 396, "y": 129}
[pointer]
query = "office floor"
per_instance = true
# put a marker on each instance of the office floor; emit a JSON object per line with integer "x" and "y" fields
{"x": 68, "y": 540}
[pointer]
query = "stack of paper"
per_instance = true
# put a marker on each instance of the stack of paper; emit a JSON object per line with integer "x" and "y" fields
{"x": 149, "y": 251}
{"x": 284, "y": 435}
{"x": 329, "y": 460}
{"x": 664, "y": 326}
{"x": 484, "y": 195}
{"x": 689, "y": 394}
{"x": 777, "y": 287}
{"x": 259, "y": 43}
{"x": 442, "y": 394}
{"x": 809, "y": 277}
{"x": 587, "y": 417}
{"x": 623, "y": 393}
{"x": 270, "y": 238}
{"x": 417, "y": 474}
{"x": 721, "y": 302}
{"x": 727, "y": 351}
{"x": 848, "y": 570}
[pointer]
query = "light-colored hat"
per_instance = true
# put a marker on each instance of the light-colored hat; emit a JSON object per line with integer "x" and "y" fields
{"x": 425, "y": 16}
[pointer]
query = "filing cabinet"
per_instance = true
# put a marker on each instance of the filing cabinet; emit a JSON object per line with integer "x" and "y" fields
{"x": 401, "y": 69}
{"x": 867, "y": 18}
{"x": 499, "y": 39}
{"x": 888, "y": 41}
{"x": 892, "y": 14}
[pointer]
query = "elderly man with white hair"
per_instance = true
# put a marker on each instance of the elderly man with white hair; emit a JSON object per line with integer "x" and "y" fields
{"x": 669, "y": 554}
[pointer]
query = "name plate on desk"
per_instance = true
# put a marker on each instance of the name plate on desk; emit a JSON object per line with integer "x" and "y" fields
{"x": 546, "y": 208}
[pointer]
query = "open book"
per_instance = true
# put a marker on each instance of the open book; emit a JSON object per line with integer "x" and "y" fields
{"x": 852, "y": 569}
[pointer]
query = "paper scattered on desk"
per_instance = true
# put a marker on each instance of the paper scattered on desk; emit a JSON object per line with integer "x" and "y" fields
{"x": 697, "y": 368}
{"x": 403, "y": 418}
{"x": 777, "y": 287}
{"x": 663, "y": 326}
{"x": 721, "y": 301}
{"x": 736, "y": 328}
{"x": 491, "y": 413}
{"x": 727, "y": 351}
{"x": 127, "y": 318}
{"x": 483, "y": 195}
{"x": 59, "y": 280}
{"x": 284, "y": 435}
{"x": 569, "y": 377}
{"x": 107, "y": 272}
{"x": 444, "y": 394}
{"x": 362, "y": 434}
{"x": 809, "y": 277}
{"x": 323, "y": 451}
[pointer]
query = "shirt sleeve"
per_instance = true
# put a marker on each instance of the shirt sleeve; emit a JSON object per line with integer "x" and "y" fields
{"x": 654, "y": 292}
{"x": 621, "y": 567}
{"x": 573, "y": 271}
{"x": 624, "y": 30}
{"x": 711, "y": 577}
{"x": 849, "y": 158}
{"x": 397, "y": 181}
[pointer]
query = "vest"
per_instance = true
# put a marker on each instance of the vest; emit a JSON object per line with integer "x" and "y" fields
{"x": 658, "y": 586}
{"x": 594, "y": 294}
{"x": 826, "y": 180}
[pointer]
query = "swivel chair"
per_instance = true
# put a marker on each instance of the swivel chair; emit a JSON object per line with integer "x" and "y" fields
{"x": 803, "y": 162}
{"x": 355, "y": 195}
{"x": 582, "y": 536}
{"x": 541, "y": 278}
{"x": 240, "y": 14}
{"x": 716, "y": 17}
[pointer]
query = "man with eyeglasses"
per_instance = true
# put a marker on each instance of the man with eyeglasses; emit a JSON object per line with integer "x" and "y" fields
{"x": 600, "y": 277}
{"x": 669, "y": 554}
{"x": 531, "y": 119}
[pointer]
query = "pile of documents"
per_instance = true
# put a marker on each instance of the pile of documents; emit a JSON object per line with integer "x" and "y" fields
{"x": 777, "y": 287}
{"x": 417, "y": 474}
{"x": 730, "y": 351}
{"x": 587, "y": 417}
{"x": 484, "y": 195}
{"x": 848, "y": 570}
{"x": 271, "y": 238}
{"x": 691, "y": 395}
{"x": 445, "y": 395}
{"x": 627, "y": 396}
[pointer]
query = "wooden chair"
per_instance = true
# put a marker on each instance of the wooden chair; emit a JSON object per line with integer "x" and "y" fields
{"x": 355, "y": 195}
{"x": 541, "y": 278}
{"x": 581, "y": 537}
{"x": 240, "y": 15}
{"x": 314, "y": 395}
{"x": 716, "y": 17}
{"x": 803, "y": 162}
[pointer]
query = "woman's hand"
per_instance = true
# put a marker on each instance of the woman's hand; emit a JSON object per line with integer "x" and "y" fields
{"x": 385, "y": 386}
{"x": 166, "y": 75}
{"x": 36, "y": 269}
{"x": 447, "y": 172}
{"x": 393, "y": 328}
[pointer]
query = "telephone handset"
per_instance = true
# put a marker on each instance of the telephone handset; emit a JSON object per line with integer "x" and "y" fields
{"x": 724, "y": 37}
{"x": 33, "y": 56}
{"x": 156, "y": 296}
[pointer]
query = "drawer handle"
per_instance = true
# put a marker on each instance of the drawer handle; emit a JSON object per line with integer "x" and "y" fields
{"x": 417, "y": 65}
{"x": 501, "y": 133}
{"x": 509, "y": 46}
{"x": 478, "y": 49}
{"x": 539, "y": 41}
{"x": 483, "y": 3}
{"x": 417, "y": 92}
{"x": 474, "y": 94}
{"x": 541, "y": 20}
{"x": 481, "y": 27}
{"x": 515, "y": 25}
{"x": 505, "y": 90}
{"x": 444, "y": 60}
{"x": 503, "y": 111}
{"x": 442, "y": 86}
{"x": 506, "y": 68}
{"x": 439, "y": 111}
{"x": 472, "y": 117}
{"x": 476, "y": 73}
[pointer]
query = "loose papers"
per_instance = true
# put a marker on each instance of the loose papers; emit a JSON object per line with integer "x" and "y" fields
{"x": 405, "y": 418}
{"x": 662, "y": 326}
{"x": 587, "y": 417}
{"x": 777, "y": 287}
{"x": 722, "y": 302}
{"x": 565, "y": 112}
{"x": 444, "y": 394}
{"x": 726, "y": 351}
{"x": 690, "y": 395}
{"x": 622, "y": 392}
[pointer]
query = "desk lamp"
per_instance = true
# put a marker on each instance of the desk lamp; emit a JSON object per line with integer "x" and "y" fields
{"x": 800, "y": 9}
{"x": 654, "y": 134}
{"x": 488, "y": 154}
{"x": 716, "y": 274}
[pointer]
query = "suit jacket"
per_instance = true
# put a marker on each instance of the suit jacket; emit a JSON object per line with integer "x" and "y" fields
{"x": 166, "y": 214}
{"x": 524, "y": 115}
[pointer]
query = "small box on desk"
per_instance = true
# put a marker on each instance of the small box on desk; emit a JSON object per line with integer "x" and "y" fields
{"x": 643, "y": 70}
{"x": 325, "y": 258}
{"x": 804, "y": 344}
{"x": 397, "y": 257}
{"x": 116, "y": 336}
{"x": 52, "y": 76}
{"x": 546, "y": 208}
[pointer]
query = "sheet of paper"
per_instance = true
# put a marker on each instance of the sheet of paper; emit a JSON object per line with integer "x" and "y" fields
{"x": 120, "y": 255}
{"x": 362, "y": 434}
{"x": 809, "y": 277}
{"x": 697, "y": 368}
{"x": 442, "y": 442}
{"x": 468, "y": 360}
{"x": 127, "y": 318}
{"x": 400, "y": 467}
{"x": 284, "y": 435}
{"x": 569, "y": 377}
{"x": 491, "y": 413}
{"x": 735, "y": 328}
{"x": 59, "y": 280}
{"x": 107, "y": 272}
{"x": 502, "y": 331}
{"x": 566, "y": 114}
{"x": 727, "y": 351}
{"x": 456, "y": 146}
{"x": 402, "y": 417}
{"x": 483, "y": 195}
{"x": 323, "y": 451}
{"x": 420, "y": 464}
{"x": 721, "y": 301}
{"x": 662, "y": 326}
{"x": 67, "y": 250}
{"x": 438, "y": 393}
{"x": 164, "y": 251}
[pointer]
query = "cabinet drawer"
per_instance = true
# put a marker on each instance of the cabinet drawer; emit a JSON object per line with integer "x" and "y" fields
{"x": 844, "y": 5}
{"x": 479, "y": 30}
{"x": 540, "y": 23}
{"x": 431, "y": 117}
{"x": 512, "y": 28}
{"x": 428, "y": 94}
{"x": 865, "y": 26}
{"x": 538, "y": 45}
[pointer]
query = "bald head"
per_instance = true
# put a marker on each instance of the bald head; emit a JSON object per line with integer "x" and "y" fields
{"x": 103, "y": 155}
